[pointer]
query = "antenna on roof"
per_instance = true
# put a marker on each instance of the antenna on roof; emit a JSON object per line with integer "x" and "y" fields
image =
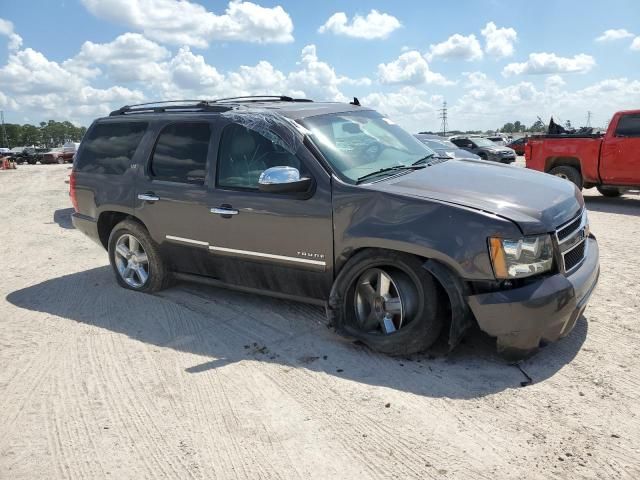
{"x": 355, "y": 102}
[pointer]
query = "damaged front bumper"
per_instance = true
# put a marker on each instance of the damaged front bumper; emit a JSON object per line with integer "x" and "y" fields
{"x": 545, "y": 310}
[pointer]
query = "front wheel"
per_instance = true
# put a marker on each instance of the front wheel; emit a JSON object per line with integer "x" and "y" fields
{"x": 135, "y": 258}
{"x": 388, "y": 301}
{"x": 611, "y": 192}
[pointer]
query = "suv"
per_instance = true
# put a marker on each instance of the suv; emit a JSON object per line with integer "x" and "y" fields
{"x": 336, "y": 205}
{"x": 485, "y": 149}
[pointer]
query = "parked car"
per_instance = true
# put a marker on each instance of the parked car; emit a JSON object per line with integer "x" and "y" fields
{"x": 517, "y": 145}
{"x": 30, "y": 155}
{"x": 4, "y": 151}
{"x": 444, "y": 148}
{"x": 54, "y": 155}
{"x": 499, "y": 140}
{"x": 485, "y": 149}
{"x": 609, "y": 162}
{"x": 69, "y": 150}
{"x": 336, "y": 205}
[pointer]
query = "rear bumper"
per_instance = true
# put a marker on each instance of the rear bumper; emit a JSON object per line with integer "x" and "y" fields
{"x": 543, "y": 311}
{"x": 87, "y": 225}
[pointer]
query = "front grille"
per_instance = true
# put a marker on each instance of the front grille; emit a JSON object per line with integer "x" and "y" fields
{"x": 567, "y": 230}
{"x": 574, "y": 256}
{"x": 572, "y": 241}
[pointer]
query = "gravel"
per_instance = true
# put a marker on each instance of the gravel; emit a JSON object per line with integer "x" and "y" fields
{"x": 97, "y": 381}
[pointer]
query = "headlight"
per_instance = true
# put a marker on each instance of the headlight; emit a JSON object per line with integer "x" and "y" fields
{"x": 522, "y": 257}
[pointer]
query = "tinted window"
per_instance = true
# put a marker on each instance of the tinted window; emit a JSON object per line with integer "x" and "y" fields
{"x": 629, "y": 126}
{"x": 181, "y": 153}
{"x": 109, "y": 147}
{"x": 244, "y": 154}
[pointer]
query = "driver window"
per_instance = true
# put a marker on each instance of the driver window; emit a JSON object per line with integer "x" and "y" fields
{"x": 244, "y": 154}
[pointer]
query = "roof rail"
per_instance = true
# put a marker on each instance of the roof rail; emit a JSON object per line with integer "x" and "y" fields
{"x": 260, "y": 98}
{"x": 160, "y": 107}
{"x": 200, "y": 105}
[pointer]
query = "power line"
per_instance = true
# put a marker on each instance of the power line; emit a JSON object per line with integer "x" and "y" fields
{"x": 443, "y": 116}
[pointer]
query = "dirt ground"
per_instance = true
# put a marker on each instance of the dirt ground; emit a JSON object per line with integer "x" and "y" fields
{"x": 197, "y": 382}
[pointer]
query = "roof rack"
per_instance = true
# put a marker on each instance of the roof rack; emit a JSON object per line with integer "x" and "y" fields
{"x": 160, "y": 107}
{"x": 200, "y": 105}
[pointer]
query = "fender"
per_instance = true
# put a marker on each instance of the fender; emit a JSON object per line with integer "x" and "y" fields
{"x": 461, "y": 316}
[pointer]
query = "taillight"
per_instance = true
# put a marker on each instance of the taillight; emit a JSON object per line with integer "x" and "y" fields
{"x": 72, "y": 190}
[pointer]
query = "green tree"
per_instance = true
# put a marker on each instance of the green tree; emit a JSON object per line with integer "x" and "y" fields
{"x": 30, "y": 135}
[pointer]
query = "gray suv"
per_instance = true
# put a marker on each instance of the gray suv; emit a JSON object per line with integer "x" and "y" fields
{"x": 336, "y": 205}
{"x": 486, "y": 149}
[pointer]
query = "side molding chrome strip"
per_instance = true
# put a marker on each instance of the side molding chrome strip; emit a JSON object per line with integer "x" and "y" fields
{"x": 247, "y": 253}
{"x": 268, "y": 255}
{"x": 187, "y": 240}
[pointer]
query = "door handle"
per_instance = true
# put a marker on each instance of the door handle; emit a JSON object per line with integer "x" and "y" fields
{"x": 223, "y": 210}
{"x": 148, "y": 197}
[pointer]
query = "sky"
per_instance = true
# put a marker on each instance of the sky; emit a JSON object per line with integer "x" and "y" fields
{"x": 492, "y": 61}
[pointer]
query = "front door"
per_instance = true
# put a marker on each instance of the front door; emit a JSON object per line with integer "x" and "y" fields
{"x": 620, "y": 158}
{"x": 272, "y": 241}
{"x": 172, "y": 197}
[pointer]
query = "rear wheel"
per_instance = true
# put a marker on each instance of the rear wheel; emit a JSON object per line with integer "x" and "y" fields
{"x": 60, "y": 160}
{"x": 135, "y": 258}
{"x": 568, "y": 173}
{"x": 610, "y": 191}
{"x": 387, "y": 301}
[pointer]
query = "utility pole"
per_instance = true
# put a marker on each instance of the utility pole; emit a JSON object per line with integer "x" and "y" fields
{"x": 443, "y": 117}
{"x": 4, "y": 132}
{"x": 588, "y": 119}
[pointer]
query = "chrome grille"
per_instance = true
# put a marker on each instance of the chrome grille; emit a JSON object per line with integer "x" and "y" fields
{"x": 572, "y": 243}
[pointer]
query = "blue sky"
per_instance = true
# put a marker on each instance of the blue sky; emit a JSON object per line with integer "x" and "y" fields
{"x": 404, "y": 60}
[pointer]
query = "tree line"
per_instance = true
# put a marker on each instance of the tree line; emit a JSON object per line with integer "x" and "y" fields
{"x": 47, "y": 134}
{"x": 519, "y": 127}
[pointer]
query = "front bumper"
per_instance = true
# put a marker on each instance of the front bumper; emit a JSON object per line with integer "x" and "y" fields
{"x": 545, "y": 310}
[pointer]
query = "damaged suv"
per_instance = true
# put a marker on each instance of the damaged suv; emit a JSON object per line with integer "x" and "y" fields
{"x": 335, "y": 204}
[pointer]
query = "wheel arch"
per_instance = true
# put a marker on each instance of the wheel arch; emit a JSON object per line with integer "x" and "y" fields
{"x": 553, "y": 162}
{"x": 109, "y": 219}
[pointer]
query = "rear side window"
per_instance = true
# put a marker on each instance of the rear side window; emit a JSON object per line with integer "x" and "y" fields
{"x": 629, "y": 126}
{"x": 109, "y": 147}
{"x": 181, "y": 153}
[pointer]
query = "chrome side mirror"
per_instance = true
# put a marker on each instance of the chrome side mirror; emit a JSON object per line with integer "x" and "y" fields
{"x": 283, "y": 180}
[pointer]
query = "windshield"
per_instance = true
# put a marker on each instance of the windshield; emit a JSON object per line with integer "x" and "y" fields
{"x": 359, "y": 143}
{"x": 483, "y": 142}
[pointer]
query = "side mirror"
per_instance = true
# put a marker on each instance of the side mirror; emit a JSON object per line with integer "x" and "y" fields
{"x": 283, "y": 180}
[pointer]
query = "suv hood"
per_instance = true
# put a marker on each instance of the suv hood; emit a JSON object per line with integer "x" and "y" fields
{"x": 536, "y": 202}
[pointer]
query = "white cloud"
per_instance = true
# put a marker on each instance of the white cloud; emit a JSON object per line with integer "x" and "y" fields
{"x": 412, "y": 108}
{"x": 6, "y": 30}
{"x": 44, "y": 89}
{"x": 374, "y": 25}
{"x": 457, "y": 47}
{"x": 499, "y": 41}
{"x": 635, "y": 45}
{"x": 409, "y": 68}
{"x": 182, "y": 22}
{"x": 130, "y": 57}
{"x": 614, "y": 34}
{"x": 546, "y": 63}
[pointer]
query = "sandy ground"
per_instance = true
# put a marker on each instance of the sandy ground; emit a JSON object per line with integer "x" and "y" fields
{"x": 97, "y": 381}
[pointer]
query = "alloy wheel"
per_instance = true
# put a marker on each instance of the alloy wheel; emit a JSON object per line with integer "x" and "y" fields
{"x": 384, "y": 300}
{"x": 131, "y": 261}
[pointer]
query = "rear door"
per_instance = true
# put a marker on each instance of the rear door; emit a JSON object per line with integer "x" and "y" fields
{"x": 270, "y": 241}
{"x": 620, "y": 157}
{"x": 171, "y": 193}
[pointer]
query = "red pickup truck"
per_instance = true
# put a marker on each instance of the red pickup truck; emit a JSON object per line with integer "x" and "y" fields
{"x": 610, "y": 162}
